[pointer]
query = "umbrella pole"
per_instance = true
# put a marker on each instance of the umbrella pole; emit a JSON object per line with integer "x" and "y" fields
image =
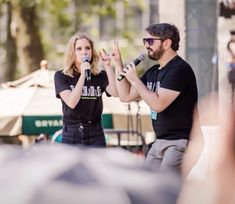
{"x": 138, "y": 124}
{"x": 129, "y": 125}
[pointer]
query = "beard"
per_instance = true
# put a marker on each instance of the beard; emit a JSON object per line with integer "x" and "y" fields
{"x": 157, "y": 54}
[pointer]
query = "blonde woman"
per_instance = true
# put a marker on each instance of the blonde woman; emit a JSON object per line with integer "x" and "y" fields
{"x": 81, "y": 96}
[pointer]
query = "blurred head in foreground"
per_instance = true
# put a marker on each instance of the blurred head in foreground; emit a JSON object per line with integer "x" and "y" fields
{"x": 61, "y": 174}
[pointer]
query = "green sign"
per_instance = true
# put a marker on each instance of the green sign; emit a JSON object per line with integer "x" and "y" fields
{"x": 107, "y": 121}
{"x": 34, "y": 125}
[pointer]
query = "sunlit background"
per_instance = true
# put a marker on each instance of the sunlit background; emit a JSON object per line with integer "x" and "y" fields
{"x": 36, "y": 31}
{"x": 33, "y": 30}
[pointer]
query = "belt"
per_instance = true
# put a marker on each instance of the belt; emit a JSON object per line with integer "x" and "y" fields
{"x": 90, "y": 122}
{"x": 85, "y": 123}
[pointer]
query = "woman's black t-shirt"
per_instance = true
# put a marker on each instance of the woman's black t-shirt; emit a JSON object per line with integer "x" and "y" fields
{"x": 90, "y": 106}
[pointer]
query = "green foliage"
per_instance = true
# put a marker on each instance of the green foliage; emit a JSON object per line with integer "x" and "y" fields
{"x": 60, "y": 19}
{"x": 3, "y": 1}
{"x": 25, "y": 3}
{"x": 56, "y": 11}
{"x": 106, "y": 10}
{"x": 129, "y": 35}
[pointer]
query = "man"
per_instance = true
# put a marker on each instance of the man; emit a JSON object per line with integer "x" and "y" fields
{"x": 169, "y": 88}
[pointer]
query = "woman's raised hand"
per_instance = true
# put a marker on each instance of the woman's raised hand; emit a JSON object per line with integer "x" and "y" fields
{"x": 105, "y": 57}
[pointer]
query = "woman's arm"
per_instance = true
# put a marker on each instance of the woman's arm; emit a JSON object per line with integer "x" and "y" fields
{"x": 71, "y": 98}
{"x": 106, "y": 59}
{"x": 111, "y": 88}
{"x": 126, "y": 91}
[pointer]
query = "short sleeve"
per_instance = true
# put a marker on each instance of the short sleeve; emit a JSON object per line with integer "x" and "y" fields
{"x": 150, "y": 75}
{"x": 61, "y": 83}
{"x": 143, "y": 78}
{"x": 176, "y": 79}
{"x": 105, "y": 82}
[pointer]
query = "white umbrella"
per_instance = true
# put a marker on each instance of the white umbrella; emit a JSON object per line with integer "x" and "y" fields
{"x": 29, "y": 106}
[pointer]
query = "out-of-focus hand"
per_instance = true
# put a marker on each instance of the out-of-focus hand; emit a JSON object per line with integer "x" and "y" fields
{"x": 218, "y": 184}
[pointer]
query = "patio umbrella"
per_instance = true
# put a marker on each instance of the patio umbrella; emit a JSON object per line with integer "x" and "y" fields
{"x": 28, "y": 106}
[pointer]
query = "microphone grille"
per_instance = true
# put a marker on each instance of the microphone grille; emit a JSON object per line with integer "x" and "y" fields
{"x": 141, "y": 57}
{"x": 85, "y": 58}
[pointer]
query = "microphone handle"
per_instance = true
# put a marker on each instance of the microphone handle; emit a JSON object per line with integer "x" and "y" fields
{"x": 136, "y": 62}
{"x": 88, "y": 75}
{"x": 120, "y": 77}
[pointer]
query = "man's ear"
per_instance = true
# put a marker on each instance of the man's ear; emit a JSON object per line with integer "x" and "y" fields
{"x": 167, "y": 44}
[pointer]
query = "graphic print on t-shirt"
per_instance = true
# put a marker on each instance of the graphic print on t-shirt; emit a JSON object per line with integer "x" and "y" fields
{"x": 151, "y": 86}
{"x": 91, "y": 92}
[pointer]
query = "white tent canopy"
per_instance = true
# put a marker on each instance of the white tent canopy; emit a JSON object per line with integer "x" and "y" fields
{"x": 29, "y": 106}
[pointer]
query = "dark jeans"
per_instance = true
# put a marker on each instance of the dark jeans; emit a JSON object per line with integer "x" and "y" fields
{"x": 84, "y": 134}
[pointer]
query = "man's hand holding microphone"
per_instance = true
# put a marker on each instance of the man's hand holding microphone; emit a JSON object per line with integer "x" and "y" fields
{"x": 129, "y": 71}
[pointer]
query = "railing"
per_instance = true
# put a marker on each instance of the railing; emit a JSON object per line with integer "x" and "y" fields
{"x": 119, "y": 133}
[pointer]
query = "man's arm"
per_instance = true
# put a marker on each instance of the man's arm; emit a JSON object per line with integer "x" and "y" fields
{"x": 126, "y": 91}
{"x": 131, "y": 87}
{"x": 158, "y": 100}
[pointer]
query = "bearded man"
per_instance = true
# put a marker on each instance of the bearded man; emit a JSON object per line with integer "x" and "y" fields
{"x": 169, "y": 88}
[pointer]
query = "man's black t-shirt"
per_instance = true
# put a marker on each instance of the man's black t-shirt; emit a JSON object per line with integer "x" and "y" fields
{"x": 90, "y": 106}
{"x": 175, "y": 122}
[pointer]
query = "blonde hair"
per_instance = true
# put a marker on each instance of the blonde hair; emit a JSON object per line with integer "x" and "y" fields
{"x": 69, "y": 67}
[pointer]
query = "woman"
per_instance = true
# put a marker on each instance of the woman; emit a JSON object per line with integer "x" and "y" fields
{"x": 82, "y": 96}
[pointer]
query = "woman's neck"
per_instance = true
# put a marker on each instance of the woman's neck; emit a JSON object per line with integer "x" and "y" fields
{"x": 77, "y": 66}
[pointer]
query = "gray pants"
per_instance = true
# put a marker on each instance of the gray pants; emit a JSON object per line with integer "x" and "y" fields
{"x": 166, "y": 155}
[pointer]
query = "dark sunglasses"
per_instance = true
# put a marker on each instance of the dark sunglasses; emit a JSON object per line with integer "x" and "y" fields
{"x": 150, "y": 40}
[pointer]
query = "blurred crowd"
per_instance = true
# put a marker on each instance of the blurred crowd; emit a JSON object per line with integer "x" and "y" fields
{"x": 57, "y": 173}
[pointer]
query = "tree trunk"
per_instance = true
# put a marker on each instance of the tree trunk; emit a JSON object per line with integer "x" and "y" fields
{"x": 26, "y": 33}
{"x": 10, "y": 48}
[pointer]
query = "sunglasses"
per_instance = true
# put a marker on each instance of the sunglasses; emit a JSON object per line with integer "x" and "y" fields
{"x": 150, "y": 41}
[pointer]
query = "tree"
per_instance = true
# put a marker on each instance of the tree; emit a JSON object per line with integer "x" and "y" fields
{"x": 41, "y": 28}
{"x": 10, "y": 48}
{"x": 25, "y": 30}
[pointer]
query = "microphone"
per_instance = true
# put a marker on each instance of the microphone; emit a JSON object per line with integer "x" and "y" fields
{"x": 136, "y": 62}
{"x": 86, "y": 58}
